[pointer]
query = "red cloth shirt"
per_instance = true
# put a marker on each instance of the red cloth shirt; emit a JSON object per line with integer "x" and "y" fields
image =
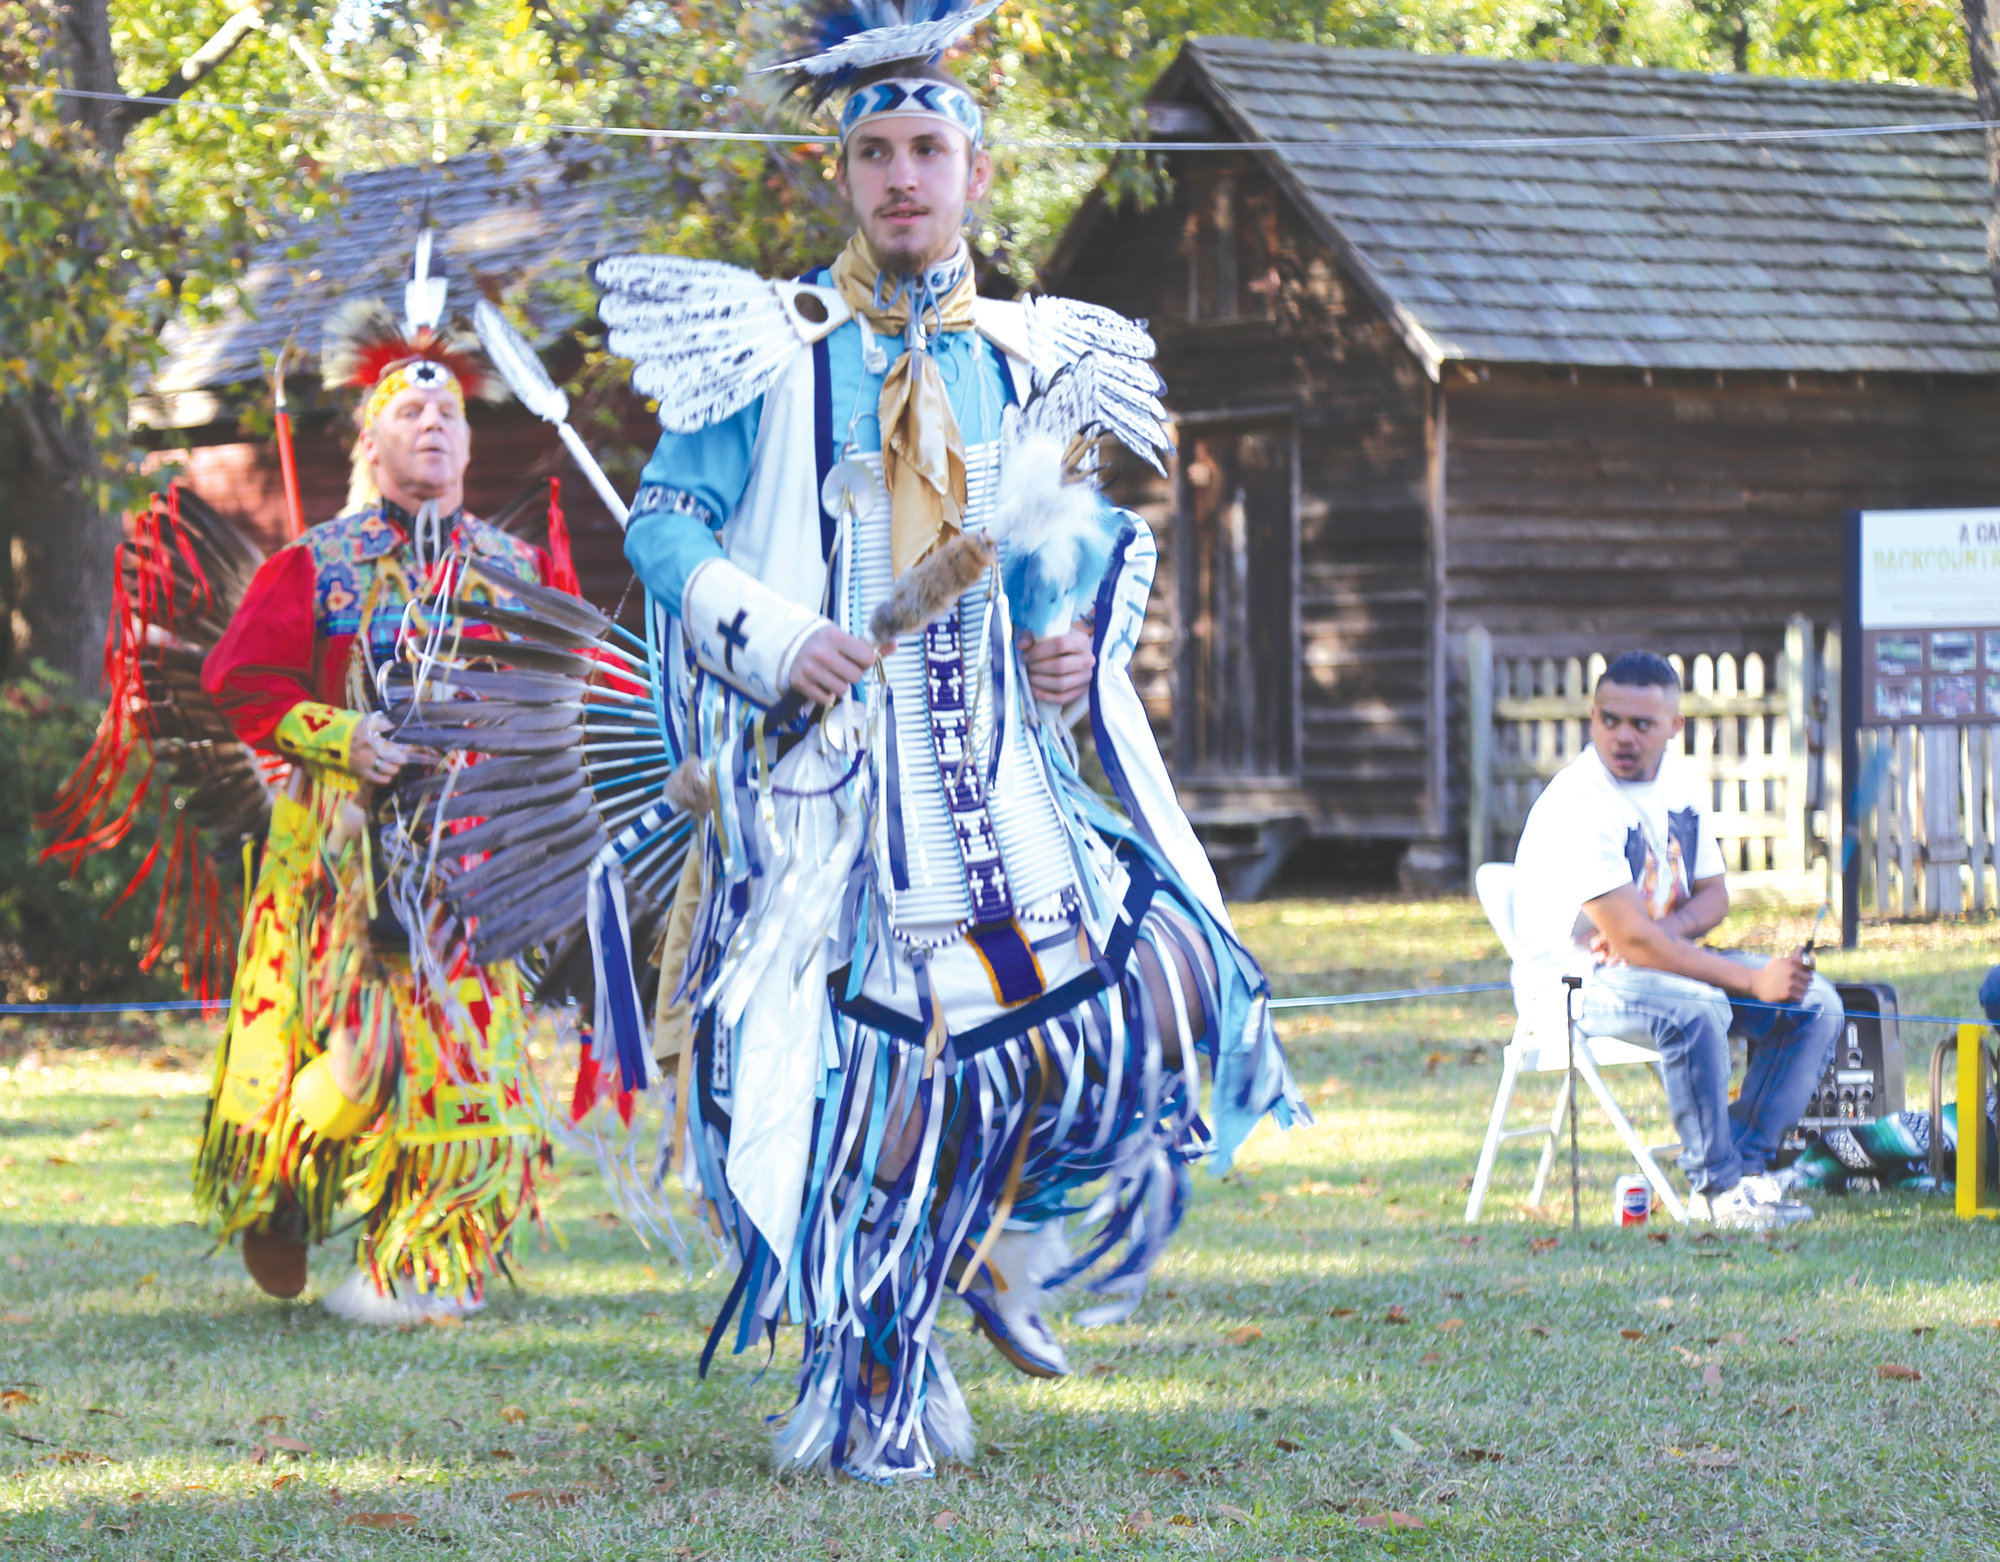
{"x": 294, "y": 631}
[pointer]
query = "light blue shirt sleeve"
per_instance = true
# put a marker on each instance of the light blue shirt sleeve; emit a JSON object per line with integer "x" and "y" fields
{"x": 690, "y": 487}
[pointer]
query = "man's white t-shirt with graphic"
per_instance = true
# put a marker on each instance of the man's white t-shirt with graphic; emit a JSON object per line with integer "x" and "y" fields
{"x": 1589, "y": 833}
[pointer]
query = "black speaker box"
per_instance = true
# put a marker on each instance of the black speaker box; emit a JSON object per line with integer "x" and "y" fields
{"x": 1864, "y": 1079}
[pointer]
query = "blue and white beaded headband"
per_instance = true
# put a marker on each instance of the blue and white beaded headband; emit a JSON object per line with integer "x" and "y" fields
{"x": 913, "y": 97}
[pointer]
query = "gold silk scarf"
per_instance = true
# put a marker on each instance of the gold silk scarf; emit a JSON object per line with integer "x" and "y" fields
{"x": 923, "y": 455}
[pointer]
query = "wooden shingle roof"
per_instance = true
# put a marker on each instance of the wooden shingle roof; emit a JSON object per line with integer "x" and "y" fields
{"x": 529, "y": 218}
{"x": 1861, "y": 254}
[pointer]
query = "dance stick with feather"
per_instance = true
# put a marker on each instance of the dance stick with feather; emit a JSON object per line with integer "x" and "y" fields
{"x": 530, "y": 382}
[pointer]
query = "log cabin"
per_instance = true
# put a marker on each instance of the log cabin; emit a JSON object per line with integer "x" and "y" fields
{"x": 1591, "y": 357}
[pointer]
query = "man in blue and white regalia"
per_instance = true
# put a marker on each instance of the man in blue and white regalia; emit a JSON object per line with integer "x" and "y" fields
{"x": 946, "y": 1003}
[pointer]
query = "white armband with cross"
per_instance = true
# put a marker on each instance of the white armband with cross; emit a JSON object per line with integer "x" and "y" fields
{"x": 743, "y": 631}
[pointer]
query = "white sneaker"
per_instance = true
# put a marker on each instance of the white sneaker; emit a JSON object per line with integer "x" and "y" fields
{"x": 1737, "y": 1209}
{"x": 359, "y": 1301}
{"x": 1768, "y": 1189}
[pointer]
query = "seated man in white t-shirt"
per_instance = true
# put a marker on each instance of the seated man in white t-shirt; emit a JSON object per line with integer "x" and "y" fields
{"x": 1616, "y": 878}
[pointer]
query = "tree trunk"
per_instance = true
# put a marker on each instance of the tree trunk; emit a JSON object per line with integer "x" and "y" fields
{"x": 63, "y": 541}
{"x": 1985, "y": 56}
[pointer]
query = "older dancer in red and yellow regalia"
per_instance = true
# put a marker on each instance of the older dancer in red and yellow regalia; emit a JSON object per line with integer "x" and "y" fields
{"x": 368, "y": 1058}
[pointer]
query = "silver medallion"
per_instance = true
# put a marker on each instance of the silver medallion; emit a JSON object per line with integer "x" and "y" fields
{"x": 849, "y": 483}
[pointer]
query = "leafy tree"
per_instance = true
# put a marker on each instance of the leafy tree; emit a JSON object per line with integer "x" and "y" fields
{"x": 101, "y": 246}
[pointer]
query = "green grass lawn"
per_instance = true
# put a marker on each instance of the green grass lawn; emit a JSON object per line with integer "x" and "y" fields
{"x": 1326, "y": 1348}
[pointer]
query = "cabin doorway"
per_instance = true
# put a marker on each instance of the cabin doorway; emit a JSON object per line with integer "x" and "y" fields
{"x": 1236, "y": 706}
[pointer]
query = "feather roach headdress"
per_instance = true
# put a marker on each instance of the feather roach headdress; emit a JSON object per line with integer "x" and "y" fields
{"x": 838, "y": 42}
{"x": 366, "y": 349}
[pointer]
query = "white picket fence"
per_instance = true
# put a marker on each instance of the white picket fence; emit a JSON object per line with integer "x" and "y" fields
{"x": 1931, "y": 845}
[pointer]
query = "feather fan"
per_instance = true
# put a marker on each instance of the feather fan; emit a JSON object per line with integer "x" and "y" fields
{"x": 551, "y": 707}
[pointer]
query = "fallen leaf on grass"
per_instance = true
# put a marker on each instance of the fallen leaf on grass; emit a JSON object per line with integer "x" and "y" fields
{"x": 1395, "y": 1315}
{"x": 1790, "y": 1410}
{"x": 16, "y": 1318}
{"x": 99, "y": 1410}
{"x": 1541, "y": 1245}
{"x": 1341, "y": 1312}
{"x": 1790, "y": 1339}
{"x": 1659, "y": 1236}
{"x": 145, "y": 1279}
{"x": 1711, "y": 1377}
{"x": 1394, "y": 1519}
{"x": 380, "y": 1521}
{"x": 1136, "y": 1523}
{"x": 283, "y": 1480}
{"x": 1229, "y": 1511}
{"x": 61, "y": 1160}
{"x": 513, "y": 1415}
{"x": 1890, "y": 1372}
{"x": 1541, "y": 1331}
{"x": 1182, "y": 1520}
{"x": 659, "y": 1488}
{"x": 1451, "y": 1325}
{"x": 944, "y": 1518}
{"x": 1245, "y": 1335}
{"x": 1631, "y": 1334}
{"x": 1404, "y": 1441}
{"x": 499, "y": 1453}
{"x": 1103, "y": 1369}
{"x": 1717, "y": 1460}
{"x": 1986, "y": 1323}
{"x": 1167, "y": 1472}
{"x": 14, "y": 1399}
{"x": 269, "y": 1421}
{"x": 1289, "y": 1446}
{"x": 77, "y": 1456}
{"x": 444, "y": 1320}
{"x": 1481, "y": 1456}
{"x": 607, "y": 1220}
{"x": 1924, "y": 1328}
{"x": 1430, "y": 1358}
{"x": 543, "y": 1497}
{"x": 290, "y": 1445}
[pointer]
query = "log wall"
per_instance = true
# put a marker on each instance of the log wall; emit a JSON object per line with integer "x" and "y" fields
{"x": 1695, "y": 514}
{"x": 1305, "y": 344}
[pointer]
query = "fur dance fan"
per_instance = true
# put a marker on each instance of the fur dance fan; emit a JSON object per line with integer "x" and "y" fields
{"x": 834, "y": 41}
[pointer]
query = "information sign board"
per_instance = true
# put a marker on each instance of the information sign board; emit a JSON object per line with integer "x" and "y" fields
{"x": 1926, "y": 599}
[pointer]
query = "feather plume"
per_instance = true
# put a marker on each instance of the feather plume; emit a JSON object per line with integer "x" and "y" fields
{"x": 1056, "y": 531}
{"x": 424, "y": 293}
{"x": 363, "y": 340}
{"x": 836, "y": 40}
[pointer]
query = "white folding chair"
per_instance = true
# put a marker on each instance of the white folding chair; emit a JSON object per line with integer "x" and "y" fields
{"x": 1540, "y": 1047}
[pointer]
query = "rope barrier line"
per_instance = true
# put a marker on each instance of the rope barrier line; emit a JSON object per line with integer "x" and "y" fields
{"x": 1329, "y": 1000}
{"x": 1317, "y": 1001}
{"x": 1328, "y": 143}
{"x": 174, "y": 1004}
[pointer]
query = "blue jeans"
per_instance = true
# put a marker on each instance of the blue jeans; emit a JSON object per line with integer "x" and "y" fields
{"x": 1690, "y": 1023}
